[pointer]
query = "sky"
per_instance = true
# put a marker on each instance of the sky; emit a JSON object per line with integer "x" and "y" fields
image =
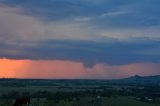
{"x": 79, "y": 39}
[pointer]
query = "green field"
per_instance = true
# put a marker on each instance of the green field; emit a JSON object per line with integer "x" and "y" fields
{"x": 95, "y": 100}
{"x": 79, "y": 92}
{"x": 87, "y": 101}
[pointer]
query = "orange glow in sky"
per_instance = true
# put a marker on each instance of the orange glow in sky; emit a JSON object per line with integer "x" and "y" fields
{"x": 8, "y": 68}
{"x": 41, "y": 69}
{"x": 56, "y": 69}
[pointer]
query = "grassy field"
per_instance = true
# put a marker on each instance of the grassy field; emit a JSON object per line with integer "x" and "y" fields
{"x": 74, "y": 95}
{"x": 126, "y": 101}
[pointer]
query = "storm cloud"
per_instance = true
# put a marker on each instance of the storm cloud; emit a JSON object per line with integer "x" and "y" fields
{"x": 87, "y": 52}
{"x": 90, "y": 31}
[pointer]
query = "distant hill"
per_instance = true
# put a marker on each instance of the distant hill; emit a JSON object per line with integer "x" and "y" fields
{"x": 137, "y": 77}
{"x": 132, "y": 81}
{"x": 153, "y": 80}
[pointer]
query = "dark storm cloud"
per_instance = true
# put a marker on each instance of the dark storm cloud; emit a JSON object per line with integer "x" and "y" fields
{"x": 90, "y": 53}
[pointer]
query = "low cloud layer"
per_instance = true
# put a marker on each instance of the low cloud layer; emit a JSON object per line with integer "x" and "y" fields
{"x": 88, "y": 52}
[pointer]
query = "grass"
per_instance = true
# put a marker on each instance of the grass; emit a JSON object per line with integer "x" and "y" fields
{"x": 87, "y": 101}
{"x": 126, "y": 101}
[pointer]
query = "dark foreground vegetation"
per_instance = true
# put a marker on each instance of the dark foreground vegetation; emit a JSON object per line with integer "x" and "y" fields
{"x": 133, "y": 91}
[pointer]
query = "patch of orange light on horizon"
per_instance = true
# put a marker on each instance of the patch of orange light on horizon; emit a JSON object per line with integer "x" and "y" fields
{"x": 9, "y": 67}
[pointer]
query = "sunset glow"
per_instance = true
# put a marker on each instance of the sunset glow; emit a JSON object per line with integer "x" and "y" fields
{"x": 57, "y": 69}
{"x": 9, "y": 68}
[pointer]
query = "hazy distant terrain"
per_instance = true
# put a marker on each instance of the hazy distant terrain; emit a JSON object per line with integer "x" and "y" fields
{"x": 133, "y": 80}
